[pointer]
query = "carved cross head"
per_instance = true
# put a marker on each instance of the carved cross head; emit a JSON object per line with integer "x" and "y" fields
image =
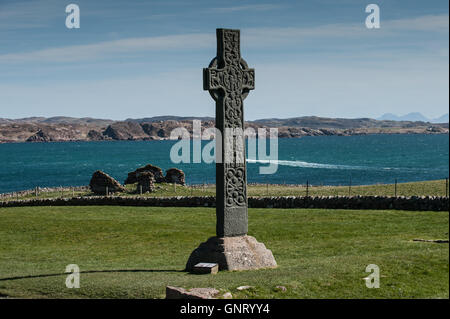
{"x": 228, "y": 75}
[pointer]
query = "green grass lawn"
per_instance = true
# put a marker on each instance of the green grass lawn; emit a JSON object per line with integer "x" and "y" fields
{"x": 426, "y": 188}
{"x": 135, "y": 252}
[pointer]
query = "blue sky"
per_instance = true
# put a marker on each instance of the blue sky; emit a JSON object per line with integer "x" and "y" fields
{"x": 145, "y": 58}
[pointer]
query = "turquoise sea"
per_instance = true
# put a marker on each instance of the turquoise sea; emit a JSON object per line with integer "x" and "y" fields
{"x": 327, "y": 160}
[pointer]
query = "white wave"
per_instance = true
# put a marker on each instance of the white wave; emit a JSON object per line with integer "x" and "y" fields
{"x": 316, "y": 165}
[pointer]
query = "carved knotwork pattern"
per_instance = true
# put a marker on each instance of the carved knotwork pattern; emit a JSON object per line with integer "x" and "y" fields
{"x": 235, "y": 186}
{"x": 231, "y": 48}
{"x": 233, "y": 111}
{"x": 235, "y": 79}
{"x": 249, "y": 79}
{"x": 229, "y": 80}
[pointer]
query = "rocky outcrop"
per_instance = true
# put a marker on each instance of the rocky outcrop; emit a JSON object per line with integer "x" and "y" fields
{"x": 45, "y": 132}
{"x": 103, "y": 184}
{"x": 94, "y": 135}
{"x": 40, "y": 136}
{"x": 155, "y": 129}
{"x": 436, "y": 129}
{"x": 125, "y": 131}
{"x": 145, "y": 182}
{"x": 157, "y": 173}
{"x": 175, "y": 175}
{"x": 193, "y": 293}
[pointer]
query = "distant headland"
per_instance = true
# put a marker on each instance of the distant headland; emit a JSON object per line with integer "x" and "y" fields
{"x": 61, "y": 129}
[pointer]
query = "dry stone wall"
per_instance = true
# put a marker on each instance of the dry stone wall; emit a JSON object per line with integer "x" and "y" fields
{"x": 414, "y": 203}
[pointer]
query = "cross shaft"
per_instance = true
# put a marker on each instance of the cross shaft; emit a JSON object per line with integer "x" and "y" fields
{"x": 229, "y": 80}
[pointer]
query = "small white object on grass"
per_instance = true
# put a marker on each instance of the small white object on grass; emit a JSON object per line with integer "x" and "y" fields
{"x": 243, "y": 288}
{"x": 206, "y": 268}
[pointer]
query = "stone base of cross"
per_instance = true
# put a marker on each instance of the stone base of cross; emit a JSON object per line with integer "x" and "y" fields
{"x": 233, "y": 253}
{"x": 229, "y": 80}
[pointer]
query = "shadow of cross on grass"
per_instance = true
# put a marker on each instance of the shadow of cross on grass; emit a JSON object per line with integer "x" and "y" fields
{"x": 89, "y": 272}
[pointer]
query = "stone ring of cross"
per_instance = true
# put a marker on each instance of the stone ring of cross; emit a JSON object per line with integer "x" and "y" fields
{"x": 234, "y": 81}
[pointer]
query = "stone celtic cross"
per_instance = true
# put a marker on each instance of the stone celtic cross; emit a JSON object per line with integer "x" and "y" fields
{"x": 229, "y": 80}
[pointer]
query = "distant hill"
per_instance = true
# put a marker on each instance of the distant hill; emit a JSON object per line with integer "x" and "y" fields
{"x": 342, "y": 123}
{"x": 22, "y": 120}
{"x": 61, "y": 128}
{"x": 58, "y": 120}
{"x": 169, "y": 118}
{"x": 441, "y": 119}
{"x": 322, "y": 122}
{"x": 414, "y": 117}
{"x": 73, "y": 120}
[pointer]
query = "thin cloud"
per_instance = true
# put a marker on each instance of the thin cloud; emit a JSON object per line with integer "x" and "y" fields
{"x": 255, "y": 37}
{"x": 433, "y": 23}
{"x": 430, "y": 23}
{"x": 25, "y": 15}
{"x": 254, "y": 7}
{"x": 108, "y": 48}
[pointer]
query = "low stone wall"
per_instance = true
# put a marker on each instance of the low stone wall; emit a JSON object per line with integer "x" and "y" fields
{"x": 330, "y": 202}
{"x": 430, "y": 203}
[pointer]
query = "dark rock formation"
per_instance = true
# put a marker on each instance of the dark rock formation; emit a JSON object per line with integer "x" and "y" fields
{"x": 175, "y": 175}
{"x": 40, "y": 136}
{"x": 155, "y": 129}
{"x": 131, "y": 178}
{"x": 157, "y": 172}
{"x": 125, "y": 131}
{"x": 94, "y": 135}
{"x": 436, "y": 129}
{"x": 145, "y": 182}
{"x": 101, "y": 183}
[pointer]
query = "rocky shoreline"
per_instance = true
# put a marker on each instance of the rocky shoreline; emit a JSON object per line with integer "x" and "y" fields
{"x": 46, "y": 130}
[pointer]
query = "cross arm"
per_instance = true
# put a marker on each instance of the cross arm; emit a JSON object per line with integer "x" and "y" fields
{"x": 248, "y": 79}
{"x": 212, "y": 79}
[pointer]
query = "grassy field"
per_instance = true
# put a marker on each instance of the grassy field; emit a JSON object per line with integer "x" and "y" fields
{"x": 427, "y": 188}
{"x": 135, "y": 252}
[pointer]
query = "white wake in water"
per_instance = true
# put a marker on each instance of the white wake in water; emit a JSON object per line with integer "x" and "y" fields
{"x": 317, "y": 165}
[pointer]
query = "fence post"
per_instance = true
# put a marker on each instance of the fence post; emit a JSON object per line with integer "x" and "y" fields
{"x": 446, "y": 187}
{"x": 175, "y": 187}
{"x": 140, "y": 189}
{"x": 395, "y": 188}
{"x": 73, "y": 192}
{"x": 307, "y": 188}
{"x": 36, "y": 191}
{"x": 350, "y": 187}
{"x": 106, "y": 191}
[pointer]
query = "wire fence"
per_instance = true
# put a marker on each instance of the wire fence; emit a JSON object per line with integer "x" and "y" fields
{"x": 438, "y": 188}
